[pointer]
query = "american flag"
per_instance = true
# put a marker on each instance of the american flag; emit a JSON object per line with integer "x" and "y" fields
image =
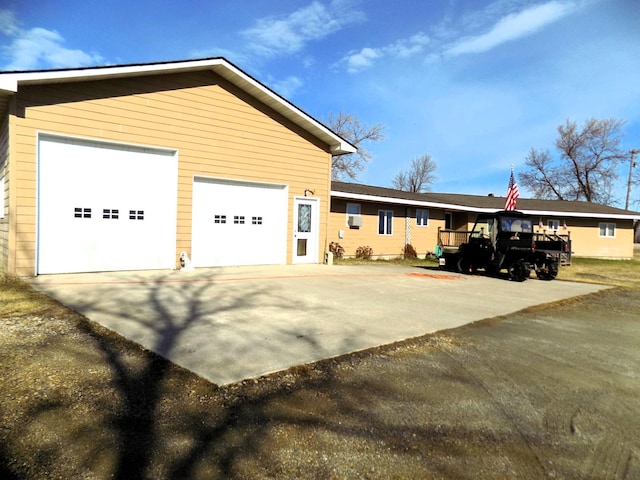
{"x": 512, "y": 194}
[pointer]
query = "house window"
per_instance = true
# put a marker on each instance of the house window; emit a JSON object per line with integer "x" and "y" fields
{"x": 607, "y": 230}
{"x": 422, "y": 217}
{"x": 553, "y": 225}
{"x": 353, "y": 210}
{"x": 385, "y": 222}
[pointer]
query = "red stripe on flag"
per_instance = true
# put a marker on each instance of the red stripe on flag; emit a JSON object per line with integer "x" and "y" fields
{"x": 512, "y": 194}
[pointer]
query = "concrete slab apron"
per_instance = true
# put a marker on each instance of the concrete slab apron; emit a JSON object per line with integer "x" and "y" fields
{"x": 229, "y": 324}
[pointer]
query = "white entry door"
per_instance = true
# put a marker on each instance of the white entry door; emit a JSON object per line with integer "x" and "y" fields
{"x": 305, "y": 230}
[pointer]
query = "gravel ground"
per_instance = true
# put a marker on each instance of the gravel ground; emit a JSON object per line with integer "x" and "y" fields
{"x": 551, "y": 392}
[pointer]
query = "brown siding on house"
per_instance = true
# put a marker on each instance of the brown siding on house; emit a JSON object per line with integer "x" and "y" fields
{"x": 218, "y": 130}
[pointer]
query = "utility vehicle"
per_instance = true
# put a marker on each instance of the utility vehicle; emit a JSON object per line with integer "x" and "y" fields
{"x": 506, "y": 240}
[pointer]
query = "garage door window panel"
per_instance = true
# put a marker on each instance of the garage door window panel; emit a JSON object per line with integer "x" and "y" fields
{"x": 112, "y": 214}
{"x": 82, "y": 212}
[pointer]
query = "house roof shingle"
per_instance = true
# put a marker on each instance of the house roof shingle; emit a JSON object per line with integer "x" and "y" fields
{"x": 478, "y": 203}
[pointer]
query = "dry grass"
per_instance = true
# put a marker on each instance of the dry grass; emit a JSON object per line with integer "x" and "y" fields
{"x": 620, "y": 273}
{"x": 18, "y": 298}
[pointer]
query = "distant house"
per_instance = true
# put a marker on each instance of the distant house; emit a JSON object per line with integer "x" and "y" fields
{"x": 125, "y": 167}
{"x": 386, "y": 220}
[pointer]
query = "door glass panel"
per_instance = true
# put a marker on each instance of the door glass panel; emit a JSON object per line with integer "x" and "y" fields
{"x": 302, "y": 247}
{"x": 304, "y": 218}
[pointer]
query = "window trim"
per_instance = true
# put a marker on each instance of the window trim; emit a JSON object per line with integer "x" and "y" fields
{"x": 387, "y": 227}
{"x": 426, "y": 217}
{"x": 609, "y": 227}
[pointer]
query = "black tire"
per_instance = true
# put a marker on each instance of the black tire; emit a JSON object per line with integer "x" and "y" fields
{"x": 464, "y": 265}
{"x": 548, "y": 272}
{"x": 519, "y": 270}
{"x": 493, "y": 269}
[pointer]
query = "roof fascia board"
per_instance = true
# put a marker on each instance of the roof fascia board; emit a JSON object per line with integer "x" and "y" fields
{"x": 10, "y": 81}
{"x": 400, "y": 201}
{"x": 448, "y": 206}
{"x": 8, "y": 85}
{"x": 46, "y": 76}
{"x": 553, "y": 213}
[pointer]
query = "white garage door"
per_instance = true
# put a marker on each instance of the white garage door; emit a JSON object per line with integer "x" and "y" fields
{"x": 237, "y": 223}
{"x": 104, "y": 208}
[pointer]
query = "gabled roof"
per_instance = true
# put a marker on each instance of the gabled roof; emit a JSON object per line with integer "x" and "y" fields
{"x": 477, "y": 203}
{"x": 10, "y": 82}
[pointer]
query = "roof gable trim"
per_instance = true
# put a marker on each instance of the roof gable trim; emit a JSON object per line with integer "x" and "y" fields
{"x": 10, "y": 81}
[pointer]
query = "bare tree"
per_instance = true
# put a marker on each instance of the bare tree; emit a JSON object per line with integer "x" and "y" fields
{"x": 349, "y": 166}
{"x": 419, "y": 177}
{"x": 585, "y": 168}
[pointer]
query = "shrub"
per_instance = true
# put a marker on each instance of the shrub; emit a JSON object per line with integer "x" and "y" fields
{"x": 410, "y": 252}
{"x": 336, "y": 249}
{"x": 364, "y": 253}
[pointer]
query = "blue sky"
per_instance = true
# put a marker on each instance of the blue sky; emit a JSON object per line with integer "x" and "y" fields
{"x": 474, "y": 83}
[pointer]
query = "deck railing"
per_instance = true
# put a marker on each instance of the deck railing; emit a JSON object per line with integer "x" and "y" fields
{"x": 452, "y": 238}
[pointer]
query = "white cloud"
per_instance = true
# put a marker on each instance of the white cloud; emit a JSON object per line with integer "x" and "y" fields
{"x": 39, "y": 48}
{"x": 404, "y": 48}
{"x": 8, "y": 24}
{"x": 273, "y": 36}
{"x": 287, "y": 87}
{"x": 512, "y": 27}
{"x": 362, "y": 59}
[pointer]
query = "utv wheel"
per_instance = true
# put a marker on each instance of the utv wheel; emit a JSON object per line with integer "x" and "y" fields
{"x": 519, "y": 270}
{"x": 493, "y": 269}
{"x": 464, "y": 266}
{"x": 548, "y": 272}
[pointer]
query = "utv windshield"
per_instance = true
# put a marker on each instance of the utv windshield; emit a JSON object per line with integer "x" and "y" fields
{"x": 516, "y": 225}
{"x": 483, "y": 228}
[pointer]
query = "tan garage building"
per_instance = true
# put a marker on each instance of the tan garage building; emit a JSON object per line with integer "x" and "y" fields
{"x": 125, "y": 167}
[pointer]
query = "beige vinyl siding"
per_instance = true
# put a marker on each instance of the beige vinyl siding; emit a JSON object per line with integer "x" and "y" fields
{"x": 423, "y": 239}
{"x": 218, "y": 130}
{"x": 586, "y": 241}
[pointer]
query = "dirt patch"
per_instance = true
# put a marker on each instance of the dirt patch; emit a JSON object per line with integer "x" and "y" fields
{"x": 547, "y": 393}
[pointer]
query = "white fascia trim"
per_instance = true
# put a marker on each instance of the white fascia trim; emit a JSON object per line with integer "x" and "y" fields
{"x": 400, "y": 201}
{"x": 105, "y": 72}
{"x": 613, "y": 216}
{"x": 8, "y": 85}
{"x": 448, "y": 206}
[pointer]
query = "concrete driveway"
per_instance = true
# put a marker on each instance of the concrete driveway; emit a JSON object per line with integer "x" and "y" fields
{"x": 232, "y": 323}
